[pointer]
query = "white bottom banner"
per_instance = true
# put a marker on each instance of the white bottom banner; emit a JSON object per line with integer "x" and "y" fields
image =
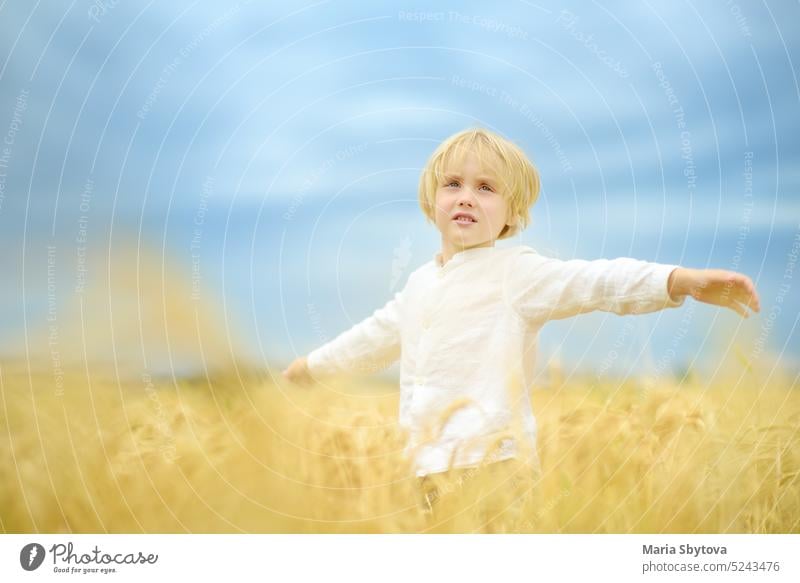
{"x": 330, "y": 558}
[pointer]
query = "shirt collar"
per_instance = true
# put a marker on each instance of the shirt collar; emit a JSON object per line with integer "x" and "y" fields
{"x": 461, "y": 256}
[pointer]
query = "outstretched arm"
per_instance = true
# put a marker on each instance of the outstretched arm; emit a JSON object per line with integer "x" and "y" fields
{"x": 544, "y": 288}
{"x": 717, "y": 287}
{"x": 369, "y": 346}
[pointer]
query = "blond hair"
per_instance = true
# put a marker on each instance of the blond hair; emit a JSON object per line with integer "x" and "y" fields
{"x": 517, "y": 176}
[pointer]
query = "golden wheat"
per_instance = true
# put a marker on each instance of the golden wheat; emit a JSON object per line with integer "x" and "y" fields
{"x": 253, "y": 455}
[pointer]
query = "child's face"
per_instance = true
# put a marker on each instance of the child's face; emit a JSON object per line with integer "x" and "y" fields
{"x": 471, "y": 189}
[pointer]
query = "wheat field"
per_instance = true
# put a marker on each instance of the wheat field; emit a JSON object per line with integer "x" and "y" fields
{"x": 245, "y": 452}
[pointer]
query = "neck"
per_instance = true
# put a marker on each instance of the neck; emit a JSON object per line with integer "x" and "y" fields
{"x": 448, "y": 250}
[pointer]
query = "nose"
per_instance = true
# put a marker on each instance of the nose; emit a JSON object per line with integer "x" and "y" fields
{"x": 466, "y": 196}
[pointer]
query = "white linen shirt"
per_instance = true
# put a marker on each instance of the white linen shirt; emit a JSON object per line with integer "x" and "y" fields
{"x": 467, "y": 333}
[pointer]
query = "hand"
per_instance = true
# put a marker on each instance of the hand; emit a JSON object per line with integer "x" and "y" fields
{"x": 298, "y": 372}
{"x": 715, "y": 286}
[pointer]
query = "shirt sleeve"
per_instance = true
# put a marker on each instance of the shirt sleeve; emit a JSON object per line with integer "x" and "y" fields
{"x": 544, "y": 288}
{"x": 370, "y": 346}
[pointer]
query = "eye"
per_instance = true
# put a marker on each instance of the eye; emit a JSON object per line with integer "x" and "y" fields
{"x": 487, "y": 187}
{"x": 452, "y": 183}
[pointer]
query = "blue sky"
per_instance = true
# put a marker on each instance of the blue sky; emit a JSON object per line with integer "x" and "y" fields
{"x": 317, "y": 118}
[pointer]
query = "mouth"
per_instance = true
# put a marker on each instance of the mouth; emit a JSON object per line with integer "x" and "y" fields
{"x": 464, "y": 219}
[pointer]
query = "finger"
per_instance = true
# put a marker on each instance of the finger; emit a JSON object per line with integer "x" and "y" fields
{"x": 747, "y": 299}
{"x": 748, "y": 296}
{"x": 751, "y": 301}
{"x": 756, "y": 301}
{"x": 738, "y": 308}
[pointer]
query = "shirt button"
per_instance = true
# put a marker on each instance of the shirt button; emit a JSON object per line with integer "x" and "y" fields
{"x": 440, "y": 273}
{"x": 426, "y": 323}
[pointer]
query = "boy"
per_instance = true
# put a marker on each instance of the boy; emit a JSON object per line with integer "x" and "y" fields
{"x": 465, "y": 325}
